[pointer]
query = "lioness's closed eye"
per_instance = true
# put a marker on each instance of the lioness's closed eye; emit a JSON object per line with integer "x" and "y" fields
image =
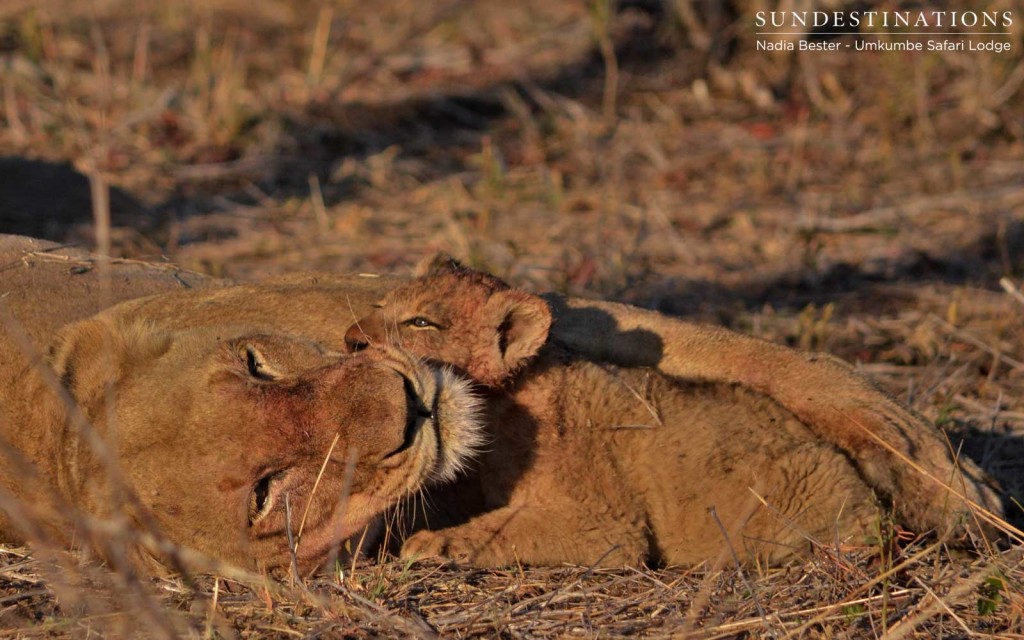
{"x": 260, "y": 499}
{"x": 267, "y": 357}
{"x": 256, "y": 364}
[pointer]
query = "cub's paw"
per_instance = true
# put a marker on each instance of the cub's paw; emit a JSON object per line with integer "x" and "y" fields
{"x": 438, "y": 545}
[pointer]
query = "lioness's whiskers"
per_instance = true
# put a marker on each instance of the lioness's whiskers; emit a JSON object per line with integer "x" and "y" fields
{"x": 393, "y": 522}
{"x": 425, "y": 504}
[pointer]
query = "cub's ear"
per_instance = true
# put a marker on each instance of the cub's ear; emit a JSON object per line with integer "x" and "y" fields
{"x": 438, "y": 264}
{"x": 523, "y": 321}
{"x": 90, "y": 355}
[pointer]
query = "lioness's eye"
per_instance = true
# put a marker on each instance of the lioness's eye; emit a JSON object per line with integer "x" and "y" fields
{"x": 256, "y": 366}
{"x": 420, "y": 322}
{"x": 259, "y": 499}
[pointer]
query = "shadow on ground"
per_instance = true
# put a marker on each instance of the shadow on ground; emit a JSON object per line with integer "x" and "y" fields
{"x": 53, "y": 201}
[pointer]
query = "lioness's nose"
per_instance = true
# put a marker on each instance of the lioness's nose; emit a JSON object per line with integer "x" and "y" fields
{"x": 356, "y": 339}
{"x": 376, "y": 406}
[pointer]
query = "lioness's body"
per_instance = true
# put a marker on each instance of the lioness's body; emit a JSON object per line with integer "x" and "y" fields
{"x": 42, "y": 288}
{"x": 46, "y": 286}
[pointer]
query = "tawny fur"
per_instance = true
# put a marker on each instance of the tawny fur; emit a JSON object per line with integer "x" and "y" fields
{"x": 599, "y": 464}
{"x": 885, "y": 438}
{"x": 166, "y": 342}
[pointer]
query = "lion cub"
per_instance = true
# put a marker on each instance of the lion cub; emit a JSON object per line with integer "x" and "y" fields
{"x": 594, "y": 464}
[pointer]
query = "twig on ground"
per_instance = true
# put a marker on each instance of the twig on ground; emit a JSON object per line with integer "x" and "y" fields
{"x": 741, "y": 574}
{"x": 1011, "y": 289}
{"x": 909, "y": 623}
{"x": 977, "y": 342}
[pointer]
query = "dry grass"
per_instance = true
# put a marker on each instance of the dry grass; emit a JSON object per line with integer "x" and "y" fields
{"x": 864, "y": 204}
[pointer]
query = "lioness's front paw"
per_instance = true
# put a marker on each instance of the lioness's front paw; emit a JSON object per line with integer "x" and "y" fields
{"x": 436, "y": 544}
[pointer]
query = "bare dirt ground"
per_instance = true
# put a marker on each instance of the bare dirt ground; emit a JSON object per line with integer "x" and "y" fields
{"x": 867, "y": 204}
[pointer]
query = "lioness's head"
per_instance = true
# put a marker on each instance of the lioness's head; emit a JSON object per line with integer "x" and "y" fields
{"x": 457, "y": 315}
{"x": 237, "y": 441}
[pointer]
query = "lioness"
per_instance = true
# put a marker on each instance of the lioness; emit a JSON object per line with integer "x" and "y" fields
{"x": 584, "y": 458}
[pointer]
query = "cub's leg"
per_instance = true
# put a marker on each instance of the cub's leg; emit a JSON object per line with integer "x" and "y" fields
{"x": 556, "y": 533}
{"x": 839, "y": 405}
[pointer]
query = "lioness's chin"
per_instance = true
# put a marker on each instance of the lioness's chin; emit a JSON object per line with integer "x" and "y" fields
{"x": 457, "y": 423}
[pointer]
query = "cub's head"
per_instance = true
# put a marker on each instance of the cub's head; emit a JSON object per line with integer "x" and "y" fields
{"x": 456, "y": 315}
{"x": 236, "y": 440}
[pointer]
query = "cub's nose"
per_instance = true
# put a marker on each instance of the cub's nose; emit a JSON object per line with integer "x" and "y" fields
{"x": 356, "y": 339}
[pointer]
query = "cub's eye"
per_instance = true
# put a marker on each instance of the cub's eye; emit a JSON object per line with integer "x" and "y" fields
{"x": 420, "y": 323}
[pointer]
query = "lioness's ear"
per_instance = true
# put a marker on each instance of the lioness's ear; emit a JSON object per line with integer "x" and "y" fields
{"x": 438, "y": 264}
{"x": 89, "y": 355}
{"x": 523, "y": 324}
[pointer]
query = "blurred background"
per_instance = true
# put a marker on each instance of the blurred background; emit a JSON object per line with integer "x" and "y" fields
{"x": 648, "y": 151}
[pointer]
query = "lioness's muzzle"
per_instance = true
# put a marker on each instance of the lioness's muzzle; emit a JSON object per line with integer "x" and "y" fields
{"x": 417, "y": 415}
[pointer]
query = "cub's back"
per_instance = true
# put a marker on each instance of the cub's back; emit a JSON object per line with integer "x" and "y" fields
{"x": 688, "y": 447}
